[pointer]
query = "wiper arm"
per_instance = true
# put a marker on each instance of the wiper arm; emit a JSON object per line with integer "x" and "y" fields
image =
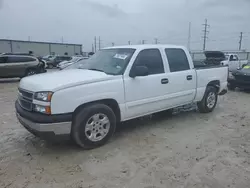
{"x": 96, "y": 70}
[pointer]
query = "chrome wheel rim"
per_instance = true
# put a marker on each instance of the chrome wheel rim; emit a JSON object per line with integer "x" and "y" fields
{"x": 211, "y": 99}
{"x": 97, "y": 127}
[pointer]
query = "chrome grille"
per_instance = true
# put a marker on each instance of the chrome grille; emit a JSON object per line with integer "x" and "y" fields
{"x": 25, "y": 99}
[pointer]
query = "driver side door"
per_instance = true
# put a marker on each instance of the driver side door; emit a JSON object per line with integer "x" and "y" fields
{"x": 145, "y": 94}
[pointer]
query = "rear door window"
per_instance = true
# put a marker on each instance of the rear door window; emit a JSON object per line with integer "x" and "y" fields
{"x": 3, "y": 59}
{"x": 177, "y": 59}
{"x": 19, "y": 59}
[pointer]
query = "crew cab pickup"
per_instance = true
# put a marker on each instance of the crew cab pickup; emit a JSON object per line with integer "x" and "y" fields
{"x": 233, "y": 62}
{"x": 115, "y": 85}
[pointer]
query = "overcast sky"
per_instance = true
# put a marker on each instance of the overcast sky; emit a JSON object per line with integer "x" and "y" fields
{"x": 120, "y": 21}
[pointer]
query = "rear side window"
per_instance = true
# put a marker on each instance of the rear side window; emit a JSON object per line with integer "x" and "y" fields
{"x": 151, "y": 58}
{"x": 3, "y": 59}
{"x": 177, "y": 60}
{"x": 19, "y": 59}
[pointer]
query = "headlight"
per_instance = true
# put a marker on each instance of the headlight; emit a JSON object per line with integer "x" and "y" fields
{"x": 230, "y": 75}
{"x": 42, "y": 109}
{"x": 43, "y": 96}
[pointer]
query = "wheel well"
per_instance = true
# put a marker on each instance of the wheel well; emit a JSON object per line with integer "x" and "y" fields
{"x": 109, "y": 102}
{"x": 215, "y": 83}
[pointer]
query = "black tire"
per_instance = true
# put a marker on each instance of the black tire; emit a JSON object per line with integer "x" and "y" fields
{"x": 81, "y": 118}
{"x": 203, "y": 105}
{"x": 231, "y": 87}
{"x": 50, "y": 66}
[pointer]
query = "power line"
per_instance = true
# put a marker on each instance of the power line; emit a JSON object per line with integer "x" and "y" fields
{"x": 99, "y": 42}
{"x": 189, "y": 35}
{"x": 240, "y": 42}
{"x": 156, "y": 41}
{"x": 95, "y": 43}
{"x": 205, "y": 34}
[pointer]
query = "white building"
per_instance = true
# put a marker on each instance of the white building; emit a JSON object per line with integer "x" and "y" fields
{"x": 39, "y": 48}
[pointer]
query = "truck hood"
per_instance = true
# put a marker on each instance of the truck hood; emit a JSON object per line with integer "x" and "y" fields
{"x": 62, "y": 79}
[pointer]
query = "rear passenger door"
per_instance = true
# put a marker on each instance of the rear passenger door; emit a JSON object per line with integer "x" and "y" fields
{"x": 18, "y": 65}
{"x": 182, "y": 77}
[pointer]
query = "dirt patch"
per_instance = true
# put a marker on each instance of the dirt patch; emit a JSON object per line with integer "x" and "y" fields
{"x": 187, "y": 150}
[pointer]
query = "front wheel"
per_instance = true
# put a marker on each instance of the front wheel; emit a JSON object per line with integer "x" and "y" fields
{"x": 93, "y": 126}
{"x": 50, "y": 66}
{"x": 209, "y": 100}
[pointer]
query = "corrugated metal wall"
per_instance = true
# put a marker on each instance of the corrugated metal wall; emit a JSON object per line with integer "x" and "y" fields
{"x": 5, "y": 46}
{"x": 40, "y": 49}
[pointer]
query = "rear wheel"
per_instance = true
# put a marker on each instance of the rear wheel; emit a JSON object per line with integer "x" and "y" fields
{"x": 209, "y": 100}
{"x": 231, "y": 87}
{"x": 93, "y": 126}
{"x": 30, "y": 72}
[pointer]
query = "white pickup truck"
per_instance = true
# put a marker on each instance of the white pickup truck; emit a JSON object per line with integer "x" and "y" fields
{"x": 233, "y": 62}
{"x": 115, "y": 85}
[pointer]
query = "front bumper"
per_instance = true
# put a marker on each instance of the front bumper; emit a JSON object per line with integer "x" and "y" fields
{"x": 44, "y": 126}
{"x": 239, "y": 83}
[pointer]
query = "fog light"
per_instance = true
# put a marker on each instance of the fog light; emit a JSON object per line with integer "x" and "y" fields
{"x": 42, "y": 109}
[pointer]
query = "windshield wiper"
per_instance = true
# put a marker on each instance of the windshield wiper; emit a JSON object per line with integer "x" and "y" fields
{"x": 96, "y": 70}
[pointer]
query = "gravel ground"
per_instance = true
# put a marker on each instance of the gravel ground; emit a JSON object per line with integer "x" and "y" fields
{"x": 187, "y": 150}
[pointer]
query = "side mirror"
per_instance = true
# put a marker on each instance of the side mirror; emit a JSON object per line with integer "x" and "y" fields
{"x": 139, "y": 71}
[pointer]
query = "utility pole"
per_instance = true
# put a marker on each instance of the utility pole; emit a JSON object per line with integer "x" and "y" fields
{"x": 156, "y": 41}
{"x": 29, "y": 38}
{"x": 206, "y": 26}
{"x": 129, "y": 42}
{"x": 143, "y": 41}
{"x": 62, "y": 39}
{"x": 95, "y": 43}
{"x": 113, "y": 43}
{"x": 99, "y": 42}
{"x": 189, "y": 36}
{"x": 240, "y": 42}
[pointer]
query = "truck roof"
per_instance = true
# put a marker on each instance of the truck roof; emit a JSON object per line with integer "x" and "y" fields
{"x": 146, "y": 46}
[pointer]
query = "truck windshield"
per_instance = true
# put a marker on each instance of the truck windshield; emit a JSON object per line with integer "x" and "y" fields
{"x": 110, "y": 61}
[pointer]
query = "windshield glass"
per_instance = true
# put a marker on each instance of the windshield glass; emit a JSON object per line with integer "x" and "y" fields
{"x": 111, "y": 61}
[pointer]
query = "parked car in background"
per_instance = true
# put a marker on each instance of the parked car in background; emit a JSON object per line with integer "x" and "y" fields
{"x": 115, "y": 85}
{"x": 12, "y": 65}
{"x": 65, "y": 64}
{"x": 78, "y": 65}
{"x": 48, "y": 57}
{"x": 209, "y": 58}
{"x": 233, "y": 62}
{"x": 239, "y": 78}
{"x": 56, "y": 60}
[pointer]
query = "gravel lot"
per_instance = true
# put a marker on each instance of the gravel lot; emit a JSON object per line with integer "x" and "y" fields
{"x": 187, "y": 150}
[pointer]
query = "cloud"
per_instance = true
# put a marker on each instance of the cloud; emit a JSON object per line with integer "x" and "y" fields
{"x": 97, "y": 7}
{"x": 1, "y": 4}
{"x": 78, "y": 21}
